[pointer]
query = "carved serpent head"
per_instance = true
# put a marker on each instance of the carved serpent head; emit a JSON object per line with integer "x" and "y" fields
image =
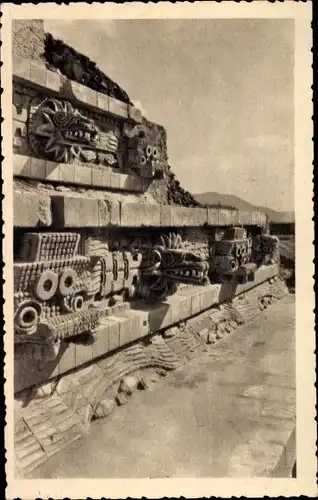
{"x": 58, "y": 131}
{"x": 170, "y": 261}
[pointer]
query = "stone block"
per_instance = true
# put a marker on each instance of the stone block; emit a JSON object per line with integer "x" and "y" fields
{"x": 184, "y": 307}
{"x": 53, "y": 81}
{"x": 159, "y": 316}
{"x": 235, "y": 216}
{"x": 97, "y": 177}
{"x": 135, "y": 329}
{"x": 83, "y": 353}
{"x": 67, "y": 360}
{"x": 193, "y": 217}
{"x": 200, "y": 216}
{"x": 31, "y": 210}
{"x": 196, "y": 303}
{"x": 19, "y": 135}
{"x": 83, "y": 175}
{"x": 19, "y": 114}
{"x": 136, "y": 184}
{"x": 118, "y": 108}
{"x": 52, "y": 171}
{"x": 101, "y": 344}
{"x": 38, "y": 168}
{"x": 176, "y": 313}
{"x": 38, "y": 74}
{"x": 75, "y": 212}
{"x": 79, "y": 91}
{"x": 252, "y": 218}
{"x": 21, "y": 165}
{"x": 106, "y": 175}
{"x": 213, "y": 216}
{"x": 24, "y": 377}
{"x": 115, "y": 180}
{"x": 102, "y": 101}
{"x": 113, "y": 325}
{"x": 140, "y": 214}
{"x": 21, "y": 67}
{"x": 103, "y": 214}
{"x": 29, "y": 372}
{"x": 91, "y": 97}
{"x": 115, "y": 211}
{"x": 67, "y": 384}
{"x": 210, "y": 296}
{"x": 165, "y": 215}
{"x": 124, "y": 181}
{"x": 134, "y": 114}
{"x": 124, "y": 330}
{"x": 67, "y": 172}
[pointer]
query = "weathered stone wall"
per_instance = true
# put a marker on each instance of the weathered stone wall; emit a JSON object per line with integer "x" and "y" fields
{"x": 28, "y": 39}
{"x": 56, "y": 412}
{"x": 108, "y": 248}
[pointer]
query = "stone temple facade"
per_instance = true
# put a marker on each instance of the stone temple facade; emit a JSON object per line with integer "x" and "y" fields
{"x": 117, "y": 269}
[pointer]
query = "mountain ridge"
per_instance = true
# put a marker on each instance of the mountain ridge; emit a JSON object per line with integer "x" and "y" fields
{"x": 233, "y": 201}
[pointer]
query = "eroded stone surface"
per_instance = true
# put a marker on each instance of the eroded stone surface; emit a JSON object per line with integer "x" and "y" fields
{"x": 93, "y": 392}
{"x": 198, "y": 411}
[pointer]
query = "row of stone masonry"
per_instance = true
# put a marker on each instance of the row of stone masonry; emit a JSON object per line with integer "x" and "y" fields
{"x": 43, "y": 209}
{"x": 41, "y": 77}
{"x": 49, "y": 416}
{"x": 62, "y": 297}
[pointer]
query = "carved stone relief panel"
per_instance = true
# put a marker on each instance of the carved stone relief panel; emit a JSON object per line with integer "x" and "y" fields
{"x": 59, "y": 293}
{"x": 146, "y": 145}
{"x": 64, "y": 281}
{"x": 169, "y": 263}
{"x": 54, "y": 129}
{"x": 232, "y": 250}
{"x": 196, "y": 241}
{"x": 59, "y": 132}
{"x": 266, "y": 249}
{"x": 52, "y": 296}
{"x": 23, "y": 99}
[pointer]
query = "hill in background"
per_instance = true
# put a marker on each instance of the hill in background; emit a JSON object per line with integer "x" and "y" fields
{"x": 231, "y": 201}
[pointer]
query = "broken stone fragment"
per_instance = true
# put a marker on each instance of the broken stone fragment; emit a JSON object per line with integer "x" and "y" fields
{"x": 204, "y": 334}
{"x": 147, "y": 381}
{"x": 86, "y": 413}
{"x": 104, "y": 408}
{"x": 211, "y": 338}
{"x": 128, "y": 385}
{"x": 228, "y": 328}
{"x": 122, "y": 398}
{"x": 171, "y": 332}
{"x": 220, "y": 331}
{"x": 157, "y": 340}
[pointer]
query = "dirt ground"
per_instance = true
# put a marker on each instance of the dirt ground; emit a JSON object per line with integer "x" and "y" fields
{"x": 227, "y": 413}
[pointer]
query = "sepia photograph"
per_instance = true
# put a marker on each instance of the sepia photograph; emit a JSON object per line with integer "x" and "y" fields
{"x": 155, "y": 220}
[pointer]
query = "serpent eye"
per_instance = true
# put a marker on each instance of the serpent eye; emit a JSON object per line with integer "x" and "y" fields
{"x": 191, "y": 257}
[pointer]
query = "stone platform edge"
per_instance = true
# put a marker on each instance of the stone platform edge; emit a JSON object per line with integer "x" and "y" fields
{"x": 128, "y": 326}
{"x": 35, "y": 209}
{"x": 56, "y": 412}
{"x": 40, "y": 77}
{"x": 30, "y": 167}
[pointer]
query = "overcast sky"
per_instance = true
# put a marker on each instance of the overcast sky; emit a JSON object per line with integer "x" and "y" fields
{"x": 222, "y": 88}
